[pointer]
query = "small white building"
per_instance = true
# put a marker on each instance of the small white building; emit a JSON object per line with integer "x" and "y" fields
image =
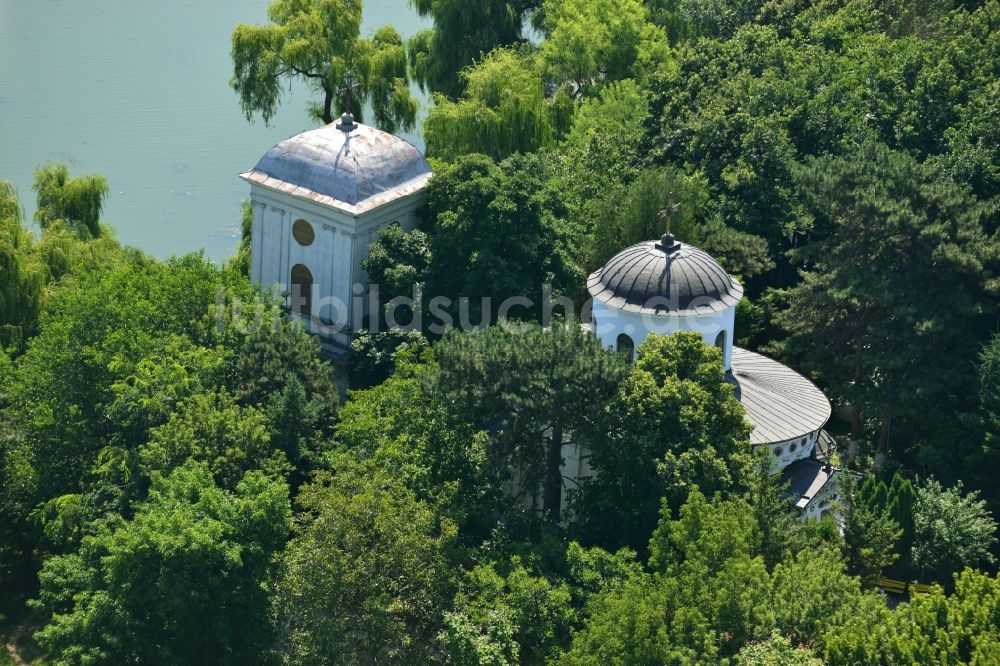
{"x": 319, "y": 200}
{"x": 666, "y": 286}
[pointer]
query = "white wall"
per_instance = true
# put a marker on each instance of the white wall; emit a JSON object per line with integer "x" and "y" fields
{"x": 609, "y": 322}
{"x": 334, "y": 257}
{"x": 791, "y": 450}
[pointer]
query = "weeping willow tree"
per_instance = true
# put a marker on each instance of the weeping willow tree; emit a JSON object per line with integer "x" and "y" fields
{"x": 22, "y": 277}
{"x": 76, "y": 202}
{"x": 463, "y": 31}
{"x": 318, "y": 42}
{"x": 69, "y": 211}
{"x": 504, "y": 110}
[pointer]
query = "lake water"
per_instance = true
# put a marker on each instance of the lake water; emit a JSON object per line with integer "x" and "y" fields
{"x": 138, "y": 92}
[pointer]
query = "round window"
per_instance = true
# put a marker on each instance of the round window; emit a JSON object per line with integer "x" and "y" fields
{"x": 792, "y": 447}
{"x": 777, "y": 452}
{"x": 303, "y": 232}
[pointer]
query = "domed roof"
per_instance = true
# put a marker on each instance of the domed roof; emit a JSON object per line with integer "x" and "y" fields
{"x": 362, "y": 169}
{"x": 664, "y": 277}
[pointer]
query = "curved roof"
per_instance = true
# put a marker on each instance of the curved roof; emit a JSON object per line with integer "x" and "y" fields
{"x": 779, "y": 402}
{"x": 359, "y": 170}
{"x": 664, "y": 277}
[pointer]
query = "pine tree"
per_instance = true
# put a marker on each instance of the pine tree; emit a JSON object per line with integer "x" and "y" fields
{"x": 536, "y": 388}
{"x": 898, "y": 268}
{"x": 902, "y": 497}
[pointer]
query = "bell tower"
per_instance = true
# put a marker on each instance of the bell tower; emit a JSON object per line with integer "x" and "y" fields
{"x": 319, "y": 200}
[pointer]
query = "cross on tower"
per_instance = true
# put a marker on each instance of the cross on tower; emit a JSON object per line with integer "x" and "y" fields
{"x": 668, "y": 244}
{"x": 347, "y": 124}
{"x": 669, "y": 211}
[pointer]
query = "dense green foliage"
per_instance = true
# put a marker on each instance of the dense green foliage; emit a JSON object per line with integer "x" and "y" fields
{"x": 463, "y": 30}
{"x": 22, "y": 276}
{"x": 179, "y": 482}
{"x": 182, "y": 581}
{"x": 368, "y": 574}
{"x": 840, "y": 157}
{"x": 319, "y": 43}
{"x": 494, "y": 247}
{"x": 950, "y": 531}
{"x": 936, "y": 628}
{"x": 503, "y": 110}
{"x": 709, "y": 593}
{"x": 927, "y": 243}
{"x": 537, "y": 389}
{"x": 130, "y": 369}
{"x": 674, "y": 423}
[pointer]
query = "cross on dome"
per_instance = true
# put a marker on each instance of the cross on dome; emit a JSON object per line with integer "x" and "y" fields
{"x": 347, "y": 124}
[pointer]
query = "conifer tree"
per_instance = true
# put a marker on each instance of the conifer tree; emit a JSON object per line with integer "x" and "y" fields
{"x": 537, "y": 389}
{"x": 898, "y": 268}
{"x": 902, "y": 497}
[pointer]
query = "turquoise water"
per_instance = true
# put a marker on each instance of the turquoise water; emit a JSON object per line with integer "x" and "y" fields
{"x": 138, "y": 92}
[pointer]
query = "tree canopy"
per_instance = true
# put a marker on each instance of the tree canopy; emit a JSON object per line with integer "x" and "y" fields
{"x": 185, "y": 478}
{"x": 537, "y": 389}
{"x": 74, "y": 202}
{"x": 318, "y": 43}
{"x": 182, "y": 581}
{"x": 463, "y": 31}
{"x": 673, "y": 424}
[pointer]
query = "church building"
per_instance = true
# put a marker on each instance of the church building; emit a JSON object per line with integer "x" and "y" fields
{"x": 666, "y": 286}
{"x": 319, "y": 200}
{"x": 321, "y": 197}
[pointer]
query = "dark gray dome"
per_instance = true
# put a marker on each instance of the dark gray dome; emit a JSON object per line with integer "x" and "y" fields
{"x": 664, "y": 278}
{"x": 349, "y": 168}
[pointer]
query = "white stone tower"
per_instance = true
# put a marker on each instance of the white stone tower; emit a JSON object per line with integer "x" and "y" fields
{"x": 662, "y": 287}
{"x": 319, "y": 200}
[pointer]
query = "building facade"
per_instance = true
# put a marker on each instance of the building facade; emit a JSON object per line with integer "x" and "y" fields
{"x": 319, "y": 200}
{"x": 666, "y": 286}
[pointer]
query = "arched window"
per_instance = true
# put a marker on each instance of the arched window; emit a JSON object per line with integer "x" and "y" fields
{"x": 624, "y": 345}
{"x": 303, "y": 232}
{"x": 301, "y": 291}
{"x": 720, "y": 340}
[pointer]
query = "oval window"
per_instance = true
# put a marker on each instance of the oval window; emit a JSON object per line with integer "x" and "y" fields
{"x": 791, "y": 449}
{"x": 303, "y": 232}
